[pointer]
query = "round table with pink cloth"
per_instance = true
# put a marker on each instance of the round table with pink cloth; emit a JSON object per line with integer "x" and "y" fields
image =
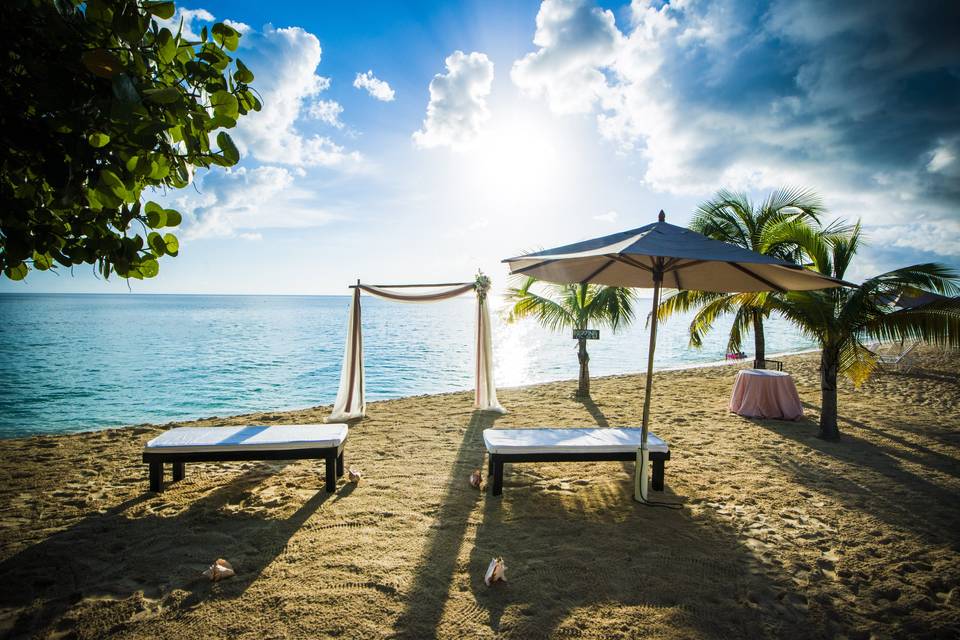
{"x": 762, "y": 393}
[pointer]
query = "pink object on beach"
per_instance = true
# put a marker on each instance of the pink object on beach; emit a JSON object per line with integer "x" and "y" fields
{"x": 762, "y": 393}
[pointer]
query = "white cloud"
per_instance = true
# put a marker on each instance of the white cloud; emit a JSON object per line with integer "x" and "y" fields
{"x": 609, "y": 216}
{"x": 285, "y": 62}
{"x": 575, "y": 40}
{"x": 327, "y": 111}
{"x": 723, "y": 93}
{"x": 938, "y": 237}
{"x": 188, "y": 17}
{"x": 458, "y": 102}
{"x": 376, "y": 87}
{"x": 242, "y": 27}
{"x": 943, "y": 159}
{"x": 236, "y": 202}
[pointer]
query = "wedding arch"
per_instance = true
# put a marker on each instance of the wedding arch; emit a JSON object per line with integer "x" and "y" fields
{"x": 351, "y": 401}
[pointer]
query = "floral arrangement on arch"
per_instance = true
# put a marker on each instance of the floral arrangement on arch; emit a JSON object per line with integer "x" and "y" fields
{"x": 482, "y": 285}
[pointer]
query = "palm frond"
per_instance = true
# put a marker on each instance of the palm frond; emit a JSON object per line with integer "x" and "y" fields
{"x": 844, "y": 248}
{"x": 683, "y": 301}
{"x": 742, "y": 322}
{"x": 611, "y": 306}
{"x": 856, "y": 361}
{"x": 791, "y": 200}
{"x": 935, "y": 324}
{"x": 527, "y": 304}
{"x": 707, "y": 315}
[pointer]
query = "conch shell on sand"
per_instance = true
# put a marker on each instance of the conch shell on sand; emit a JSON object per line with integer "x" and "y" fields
{"x": 354, "y": 474}
{"x": 219, "y": 570}
{"x": 476, "y": 479}
{"x": 495, "y": 572}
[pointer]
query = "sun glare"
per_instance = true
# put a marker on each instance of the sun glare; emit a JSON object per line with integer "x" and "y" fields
{"x": 519, "y": 157}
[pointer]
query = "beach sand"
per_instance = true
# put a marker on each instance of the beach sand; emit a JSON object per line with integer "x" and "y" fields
{"x": 781, "y": 535}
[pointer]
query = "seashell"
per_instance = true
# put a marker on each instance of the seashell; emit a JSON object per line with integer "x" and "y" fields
{"x": 354, "y": 474}
{"x": 496, "y": 571}
{"x": 219, "y": 570}
{"x": 476, "y": 479}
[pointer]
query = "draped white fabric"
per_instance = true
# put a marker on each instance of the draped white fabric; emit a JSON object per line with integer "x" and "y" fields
{"x": 485, "y": 397}
{"x": 350, "y": 403}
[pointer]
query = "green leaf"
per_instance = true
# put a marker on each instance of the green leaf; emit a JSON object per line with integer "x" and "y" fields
{"x": 156, "y": 215}
{"x": 163, "y": 10}
{"x": 114, "y": 184}
{"x": 225, "y": 103}
{"x": 149, "y": 268}
{"x": 124, "y": 89}
{"x": 101, "y": 63}
{"x": 171, "y": 244}
{"x": 242, "y": 74}
{"x": 173, "y": 217}
{"x": 163, "y": 95}
{"x": 98, "y": 139}
{"x": 226, "y": 36}
{"x": 166, "y": 46}
{"x": 156, "y": 243}
{"x": 42, "y": 261}
{"x": 229, "y": 149}
{"x": 16, "y": 272}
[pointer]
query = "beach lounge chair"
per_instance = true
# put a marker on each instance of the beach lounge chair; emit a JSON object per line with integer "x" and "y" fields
{"x": 900, "y": 360}
{"x": 775, "y": 365}
{"x": 569, "y": 445}
{"x": 219, "y": 444}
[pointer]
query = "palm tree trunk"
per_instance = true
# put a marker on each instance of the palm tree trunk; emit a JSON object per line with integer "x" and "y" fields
{"x": 759, "y": 343}
{"x": 829, "y": 365}
{"x": 583, "y": 389}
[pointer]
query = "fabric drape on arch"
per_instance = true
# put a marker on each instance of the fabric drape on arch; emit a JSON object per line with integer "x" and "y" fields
{"x": 351, "y": 401}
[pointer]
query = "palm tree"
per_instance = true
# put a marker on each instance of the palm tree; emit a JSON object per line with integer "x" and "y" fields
{"x": 773, "y": 228}
{"x": 573, "y": 306}
{"x": 842, "y": 320}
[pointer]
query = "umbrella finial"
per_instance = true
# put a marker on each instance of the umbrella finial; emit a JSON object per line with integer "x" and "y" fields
{"x": 662, "y": 217}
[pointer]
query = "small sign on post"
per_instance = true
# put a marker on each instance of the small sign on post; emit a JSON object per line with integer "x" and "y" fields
{"x": 586, "y": 334}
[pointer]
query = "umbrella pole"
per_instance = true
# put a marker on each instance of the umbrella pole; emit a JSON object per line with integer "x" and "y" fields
{"x": 643, "y": 456}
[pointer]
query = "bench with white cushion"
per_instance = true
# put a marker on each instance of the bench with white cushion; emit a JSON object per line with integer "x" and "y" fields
{"x": 250, "y": 442}
{"x": 569, "y": 445}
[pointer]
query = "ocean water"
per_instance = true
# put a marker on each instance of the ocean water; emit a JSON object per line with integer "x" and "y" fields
{"x": 78, "y": 362}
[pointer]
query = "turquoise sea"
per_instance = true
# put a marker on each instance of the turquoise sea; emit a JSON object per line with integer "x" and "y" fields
{"x": 72, "y": 362}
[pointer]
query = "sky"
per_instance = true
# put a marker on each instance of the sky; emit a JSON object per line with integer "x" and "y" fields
{"x": 421, "y": 141}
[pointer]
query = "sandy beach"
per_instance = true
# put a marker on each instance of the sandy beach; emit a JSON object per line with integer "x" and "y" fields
{"x": 781, "y": 534}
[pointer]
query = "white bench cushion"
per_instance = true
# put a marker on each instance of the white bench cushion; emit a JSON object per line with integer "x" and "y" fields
{"x": 592, "y": 440}
{"x": 249, "y": 438}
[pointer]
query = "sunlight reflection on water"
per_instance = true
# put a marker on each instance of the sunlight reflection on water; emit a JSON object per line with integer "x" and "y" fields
{"x": 70, "y": 362}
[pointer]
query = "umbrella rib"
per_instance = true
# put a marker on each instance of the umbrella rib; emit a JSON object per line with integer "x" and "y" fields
{"x": 533, "y": 266}
{"x": 756, "y": 277}
{"x": 597, "y": 272}
{"x": 631, "y": 262}
{"x": 684, "y": 265}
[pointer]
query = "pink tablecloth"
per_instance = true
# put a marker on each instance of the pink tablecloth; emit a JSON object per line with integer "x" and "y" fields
{"x": 761, "y": 393}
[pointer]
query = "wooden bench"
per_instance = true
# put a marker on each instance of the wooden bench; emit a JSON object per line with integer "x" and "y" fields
{"x": 569, "y": 445}
{"x": 222, "y": 444}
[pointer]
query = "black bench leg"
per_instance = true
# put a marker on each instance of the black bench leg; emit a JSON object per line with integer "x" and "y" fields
{"x": 331, "y": 475}
{"x": 497, "y": 477}
{"x": 489, "y": 467}
{"x": 156, "y": 477}
{"x": 179, "y": 471}
{"x": 340, "y": 465}
{"x": 658, "y": 475}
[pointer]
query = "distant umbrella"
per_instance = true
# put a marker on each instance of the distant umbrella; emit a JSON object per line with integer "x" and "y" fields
{"x": 662, "y": 254}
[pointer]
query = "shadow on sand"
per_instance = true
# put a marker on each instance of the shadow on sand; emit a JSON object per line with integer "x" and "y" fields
{"x": 885, "y": 488}
{"x": 587, "y": 552}
{"x": 116, "y": 554}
